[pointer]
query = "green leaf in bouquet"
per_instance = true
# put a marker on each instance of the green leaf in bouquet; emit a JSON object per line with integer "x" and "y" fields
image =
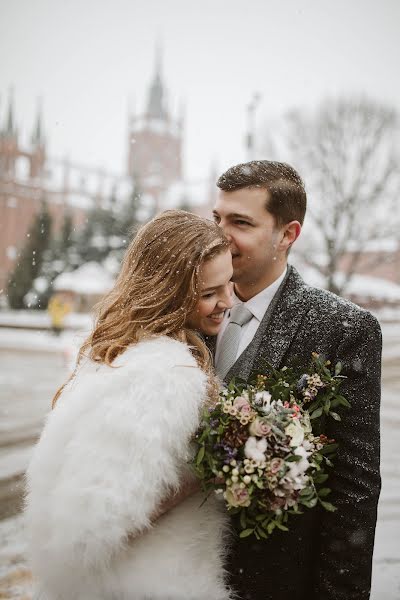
{"x": 326, "y": 371}
{"x": 327, "y": 406}
{"x": 200, "y": 455}
{"x": 338, "y": 368}
{"x": 316, "y": 413}
{"x": 260, "y": 518}
{"x": 293, "y": 458}
{"x": 270, "y": 527}
{"x": 295, "y": 511}
{"x": 343, "y": 401}
{"x": 203, "y": 435}
{"x": 246, "y": 533}
{"x": 324, "y": 492}
{"x": 320, "y": 478}
{"x": 335, "y": 402}
{"x": 309, "y": 503}
{"x": 328, "y": 506}
{"x": 279, "y": 525}
{"x": 335, "y": 416}
{"x": 328, "y": 462}
{"x": 329, "y": 448}
{"x": 262, "y": 533}
{"x": 306, "y": 492}
{"x": 278, "y": 432}
{"x": 311, "y": 407}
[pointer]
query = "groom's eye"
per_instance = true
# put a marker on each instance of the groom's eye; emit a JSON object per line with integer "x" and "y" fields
{"x": 241, "y": 222}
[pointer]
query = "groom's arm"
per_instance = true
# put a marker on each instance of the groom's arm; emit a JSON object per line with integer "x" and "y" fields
{"x": 347, "y": 535}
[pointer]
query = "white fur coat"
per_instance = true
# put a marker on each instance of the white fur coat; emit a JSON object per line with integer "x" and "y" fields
{"x": 116, "y": 443}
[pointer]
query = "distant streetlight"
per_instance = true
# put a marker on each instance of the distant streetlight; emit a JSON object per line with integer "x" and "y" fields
{"x": 251, "y": 108}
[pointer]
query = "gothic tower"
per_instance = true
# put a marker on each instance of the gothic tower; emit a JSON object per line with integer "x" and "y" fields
{"x": 155, "y": 143}
{"x": 38, "y": 153}
{"x": 9, "y": 150}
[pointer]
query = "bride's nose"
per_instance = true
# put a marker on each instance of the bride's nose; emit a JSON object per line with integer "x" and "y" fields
{"x": 226, "y": 300}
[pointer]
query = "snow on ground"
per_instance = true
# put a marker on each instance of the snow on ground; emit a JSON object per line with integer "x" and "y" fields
{"x": 40, "y": 318}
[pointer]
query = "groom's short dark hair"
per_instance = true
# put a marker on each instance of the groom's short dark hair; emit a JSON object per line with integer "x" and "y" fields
{"x": 287, "y": 199}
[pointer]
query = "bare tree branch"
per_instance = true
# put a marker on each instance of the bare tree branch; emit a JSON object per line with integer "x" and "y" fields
{"x": 347, "y": 151}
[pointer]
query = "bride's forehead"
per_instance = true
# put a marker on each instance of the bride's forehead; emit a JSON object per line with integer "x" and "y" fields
{"x": 216, "y": 270}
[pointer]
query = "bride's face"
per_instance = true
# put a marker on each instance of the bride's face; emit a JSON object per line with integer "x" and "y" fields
{"x": 215, "y": 294}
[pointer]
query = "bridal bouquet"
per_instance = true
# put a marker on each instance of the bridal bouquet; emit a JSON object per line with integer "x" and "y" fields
{"x": 261, "y": 447}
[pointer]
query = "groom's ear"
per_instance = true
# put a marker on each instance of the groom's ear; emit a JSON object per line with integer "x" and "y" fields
{"x": 290, "y": 233}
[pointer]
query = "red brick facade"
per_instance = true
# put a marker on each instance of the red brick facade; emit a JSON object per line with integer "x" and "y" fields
{"x": 28, "y": 176}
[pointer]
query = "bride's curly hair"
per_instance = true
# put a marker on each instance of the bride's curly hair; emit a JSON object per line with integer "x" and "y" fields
{"x": 157, "y": 288}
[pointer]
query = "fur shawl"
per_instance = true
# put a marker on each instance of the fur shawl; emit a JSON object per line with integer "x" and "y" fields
{"x": 113, "y": 448}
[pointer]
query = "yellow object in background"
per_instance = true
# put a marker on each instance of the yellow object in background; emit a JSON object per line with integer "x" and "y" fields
{"x": 59, "y": 307}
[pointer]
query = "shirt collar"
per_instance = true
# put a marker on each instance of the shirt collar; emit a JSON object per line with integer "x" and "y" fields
{"x": 260, "y": 302}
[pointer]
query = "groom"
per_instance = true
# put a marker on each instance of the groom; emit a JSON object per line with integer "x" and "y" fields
{"x": 324, "y": 556}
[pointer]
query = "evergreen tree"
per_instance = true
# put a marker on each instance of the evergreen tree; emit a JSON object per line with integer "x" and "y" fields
{"x": 30, "y": 259}
{"x": 129, "y": 215}
{"x": 95, "y": 239}
{"x": 60, "y": 256}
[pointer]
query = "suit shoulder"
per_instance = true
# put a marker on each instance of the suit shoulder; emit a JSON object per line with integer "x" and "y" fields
{"x": 329, "y": 304}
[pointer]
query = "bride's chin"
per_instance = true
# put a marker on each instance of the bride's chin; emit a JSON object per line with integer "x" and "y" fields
{"x": 211, "y": 329}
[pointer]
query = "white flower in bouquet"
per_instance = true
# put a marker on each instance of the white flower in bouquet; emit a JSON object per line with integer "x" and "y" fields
{"x": 255, "y": 449}
{"x": 301, "y": 466}
{"x": 295, "y": 431}
{"x": 236, "y": 495}
{"x": 263, "y": 401}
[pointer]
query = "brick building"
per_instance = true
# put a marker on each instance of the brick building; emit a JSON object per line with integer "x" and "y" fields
{"x": 28, "y": 175}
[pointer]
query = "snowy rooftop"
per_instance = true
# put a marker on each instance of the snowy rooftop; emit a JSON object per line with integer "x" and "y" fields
{"x": 362, "y": 286}
{"x": 90, "y": 278}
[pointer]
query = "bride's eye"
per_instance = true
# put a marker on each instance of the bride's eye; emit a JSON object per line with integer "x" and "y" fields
{"x": 208, "y": 295}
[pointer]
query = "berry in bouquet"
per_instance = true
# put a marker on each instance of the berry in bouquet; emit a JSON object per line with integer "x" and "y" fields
{"x": 262, "y": 448}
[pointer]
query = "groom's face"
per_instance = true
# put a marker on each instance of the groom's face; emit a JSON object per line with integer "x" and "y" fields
{"x": 251, "y": 230}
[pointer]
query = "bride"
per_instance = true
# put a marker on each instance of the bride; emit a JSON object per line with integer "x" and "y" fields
{"x": 113, "y": 453}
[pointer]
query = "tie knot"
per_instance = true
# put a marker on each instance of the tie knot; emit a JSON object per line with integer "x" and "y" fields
{"x": 240, "y": 315}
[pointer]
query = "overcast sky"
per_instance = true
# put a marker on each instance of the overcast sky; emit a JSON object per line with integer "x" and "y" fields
{"x": 86, "y": 58}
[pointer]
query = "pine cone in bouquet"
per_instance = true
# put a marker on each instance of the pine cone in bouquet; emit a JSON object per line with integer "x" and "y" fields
{"x": 236, "y": 434}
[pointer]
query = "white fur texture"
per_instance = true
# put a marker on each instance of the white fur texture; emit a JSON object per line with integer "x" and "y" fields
{"x": 115, "y": 445}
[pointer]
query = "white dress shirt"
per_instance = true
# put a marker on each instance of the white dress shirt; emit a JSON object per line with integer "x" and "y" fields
{"x": 257, "y": 306}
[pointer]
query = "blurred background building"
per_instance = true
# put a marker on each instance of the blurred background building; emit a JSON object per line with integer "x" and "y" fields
{"x": 97, "y": 207}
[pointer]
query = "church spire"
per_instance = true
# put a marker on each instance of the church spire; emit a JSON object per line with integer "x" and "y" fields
{"x": 37, "y": 136}
{"x": 10, "y": 126}
{"x": 156, "y": 100}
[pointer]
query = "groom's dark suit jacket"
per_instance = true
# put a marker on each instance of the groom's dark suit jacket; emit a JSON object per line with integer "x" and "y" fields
{"x": 323, "y": 556}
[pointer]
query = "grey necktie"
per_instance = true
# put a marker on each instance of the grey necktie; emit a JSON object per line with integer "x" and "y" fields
{"x": 240, "y": 315}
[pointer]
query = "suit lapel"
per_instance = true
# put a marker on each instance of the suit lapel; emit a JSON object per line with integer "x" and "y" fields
{"x": 276, "y": 330}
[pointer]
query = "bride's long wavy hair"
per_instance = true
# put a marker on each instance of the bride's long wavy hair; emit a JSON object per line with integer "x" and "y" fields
{"x": 157, "y": 288}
